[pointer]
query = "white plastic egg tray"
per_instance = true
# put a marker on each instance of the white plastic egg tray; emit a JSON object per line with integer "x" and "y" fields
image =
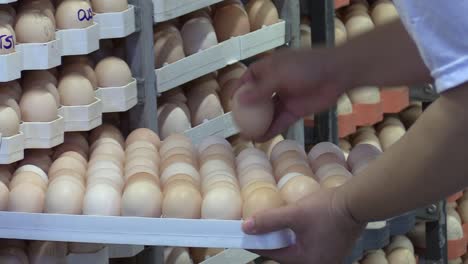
{"x": 220, "y": 56}
{"x": 106, "y": 253}
{"x": 71, "y": 118}
{"x": 118, "y": 99}
{"x": 137, "y": 231}
{"x": 7, "y": 1}
{"x": 222, "y": 126}
{"x": 168, "y": 9}
{"x": 82, "y": 118}
{"x": 41, "y": 56}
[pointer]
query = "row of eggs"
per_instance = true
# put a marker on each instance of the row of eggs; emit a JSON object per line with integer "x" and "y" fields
{"x": 399, "y": 251}
{"x": 181, "y": 180}
{"x": 39, "y": 94}
{"x": 204, "y": 99}
{"x": 35, "y": 21}
{"x": 206, "y": 27}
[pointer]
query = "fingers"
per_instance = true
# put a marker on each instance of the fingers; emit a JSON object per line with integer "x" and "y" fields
{"x": 281, "y": 121}
{"x": 271, "y": 220}
{"x": 262, "y": 83}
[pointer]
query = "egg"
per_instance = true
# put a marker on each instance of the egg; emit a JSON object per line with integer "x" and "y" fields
{"x": 34, "y": 26}
{"x": 261, "y": 13}
{"x": 204, "y": 105}
{"x": 213, "y": 141}
{"x": 44, "y": 251}
{"x": 285, "y": 164}
{"x": 136, "y": 162}
{"x": 4, "y": 194}
{"x": 11, "y": 89}
{"x": 168, "y": 47}
{"x": 367, "y": 138}
{"x": 389, "y": 135}
{"x": 64, "y": 197}
{"x": 268, "y": 146}
{"x": 69, "y": 147}
{"x": 250, "y": 152}
{"x": 198, "y": 34}
{"x": 27, "y": 198}
{"x": 74, "y": 14}
{"x": 377, "y": 257}
{"x": 113, "y": 72}
{"x": 399, "y": 242}
{"x": 47, "y": 87}
{"x": 101, "y": 199}
{"x": 67, "y": 162}
{"x": 221, "y": 203}
{"x": 334, "y": 181}
{"x": 10, "y": 39}
{"x": 341, "y": 34}
{"x": 109, "y": 149}
{"x": 231, "y": 72}
{"x": 401, "y": 255}
{"x": 38, "y": 106}
{"x": 363, "y": 153}
{"x": 182, "y": 201}
{"x": 29, "y": 177}
{"x": 179, "y": 256}
{"x": 109, "y": 6}
{"x": 76, "y": 90}
{"x": 180, "y": 168}
{"x": 9, "y": 120}
{"x": 173, "y": 141}
{"x": 175, "y": 95}
{"x": 244, "y": 165}
{"x": 384, "y": 12}
{"x": 78, "y": 59}
{"x": 142, "y": 199}
{"x": 295, "y": 186}
{"x": 243, "y": 115}
{"x": 180, "y": 179}
{"x": 326, "y": 158}
{"x": 77, "y": 139}
{"x": 211, "y": 166}
{"x": 106, "y": 131}
{"x": 358, "y": 24}
{"x": 33, "y": 169}
{"x": 179, "y": 154}
{"x": 219, "y": 179}
{"x": 144, "y": 134}
{"x": 172, "y": 119}
{"x": 260, "y": 200}
{"x": 82, "y": 69}
{"x": 13, "y": 255}
{"x": 454, "y": 228}
{"x": 230, "y": 21}
{"x": 284, "y": 146}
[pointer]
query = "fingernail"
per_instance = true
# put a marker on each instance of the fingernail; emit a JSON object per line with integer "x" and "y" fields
{"x": 249, "y": 225}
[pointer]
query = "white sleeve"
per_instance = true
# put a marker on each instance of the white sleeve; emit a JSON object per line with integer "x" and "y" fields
{"x": 440, "y": 30}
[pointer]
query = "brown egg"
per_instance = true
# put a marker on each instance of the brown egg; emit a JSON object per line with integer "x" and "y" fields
{"x": 325, "y": 147}
{"x": 216, "y": 148}
{"x": 142, "y": 199}
{"x": 250, "y": 187}
{"x": 66, "y": 148}
{"x": 178, "y": 178}
{"x": 82, "y": 69}
{"x": 173, "y": 119}
{"x": 101, "y": 199}
{"x": 100, "y": 6}
{"x": 213, "y": 165}
{"x": 69, "y": 14}
{"x": 175, "y": 95}
{"x": 254, "y": 161}
{"x": 255, "y": 175}
{"x": 362, "y": 153}
{"x": 177, "y": 158}
{"x": 27, "y": 198}
{"x": 106, "y": 130}
{"x": 103, "y": 164}
{"x": 38, "y": 106}
{"x": 326, "y": 158}
{"x": 282, "y": 167}
{"x": 294, "y": 186}
{"x": 261, "y": 13}
{"x": 111, "y": 149}
{"x": 144, "y": 134}
{"x": 252, "y": 127}
{"x": 10, "y": 121}
{"x": 67, "y": 162}
{"x": 11, "y": 89}
{"x": 168, "y": 46}
{"x": 180, "y": 151}
{"x": 174, "y": 141}
{"x": 105, "y": 141}
{"x": 131, "y": 172}
{"x": 226, "y": 94}
{"x": 64, "y": 197}
{"x": 34, "y": 26}
{"x": 334, "y": 181}
{"x": 182, "y": 201}
{"x": 268, "y": 146}
{"x": 204, "y": 105}
{"x": 198, "y": 34}
{"x": 69, "y": 174}
{"x": 260, "y": 200}
{"x": 288, "y": 155}
{"x": 250, "y": 152}
{"x": 179, "y": 168}
{"x": 231, "y": 72}
{"x": 222, "y": 203}
{"x": 77, "y": 59}
{"x": 136, "y": 162}
{"x": 367, "y": 138}
{"x": 230, "y": 21}
{"x": 78, "y": 139}
{"x": 113, "y": 72}
{"x": 219, "y": 179}
{"x": 332, "y": 169}
{"x": 28, "y": 177}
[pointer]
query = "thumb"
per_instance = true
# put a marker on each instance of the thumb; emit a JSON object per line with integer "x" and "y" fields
{"x": 271, "y": 220}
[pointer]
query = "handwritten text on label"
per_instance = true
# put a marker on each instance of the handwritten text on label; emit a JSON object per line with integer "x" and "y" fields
{"x": 85, "y": 14}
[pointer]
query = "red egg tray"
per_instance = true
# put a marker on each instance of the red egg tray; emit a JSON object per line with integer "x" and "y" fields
{"x": 454, "y": 197}
{"x": 346, "y": 125}
{"x": 394, "y": 100}
{"x": 341, "y": 3}
{"x": 368, "y": 114}
{"x": 456, "y": 248}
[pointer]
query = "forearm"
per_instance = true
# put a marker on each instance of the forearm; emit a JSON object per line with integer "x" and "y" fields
{"x": 427, "y": 164}
{"x": 386, "y": 56}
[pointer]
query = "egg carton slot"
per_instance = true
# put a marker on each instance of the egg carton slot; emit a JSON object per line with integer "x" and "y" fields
{"x": 118, "y": 99}
{"x": 42, "y": 56}
{"x": 43, "y": 134}
{"x": 11, "y": 148}
{"x": 82, "y": 118}
{"x": 168, "y": 9}
{"x": 222, "y": 126}
{"x": 143, "y": 231}
{"x": 219, "y": 56}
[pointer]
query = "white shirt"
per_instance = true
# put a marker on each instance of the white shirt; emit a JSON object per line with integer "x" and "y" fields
{"x": 440, "y": 30}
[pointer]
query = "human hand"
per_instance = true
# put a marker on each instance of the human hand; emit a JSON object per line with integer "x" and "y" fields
{"x": 325, "y": 230}
{"x": 303, "y": 81}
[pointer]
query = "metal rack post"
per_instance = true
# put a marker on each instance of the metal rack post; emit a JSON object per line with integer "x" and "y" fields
{"x": 321, "y": 14}
{"x": 140, "y": 56}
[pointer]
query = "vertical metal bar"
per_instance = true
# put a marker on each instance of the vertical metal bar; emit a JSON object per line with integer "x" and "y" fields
{"x": 140, "y": 55}
{"x": 436, "y": 239}
{"x": 321, "y": 14}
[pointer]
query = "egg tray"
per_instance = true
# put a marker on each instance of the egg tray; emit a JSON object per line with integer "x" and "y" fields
{"x": 71, "y": 118}
{"x": 219, "y": 56}
{"x": 137, "y": 231}
{"x": 103, "y": 255}
{"x": 169, "y": 9}
{"x": 42, "y": 56}
{"x": 223, "y": 126}
{"x": 394, "y": 100}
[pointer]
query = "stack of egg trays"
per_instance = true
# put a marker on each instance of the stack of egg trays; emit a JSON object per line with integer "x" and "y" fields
{"x": 379, "y": 237}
